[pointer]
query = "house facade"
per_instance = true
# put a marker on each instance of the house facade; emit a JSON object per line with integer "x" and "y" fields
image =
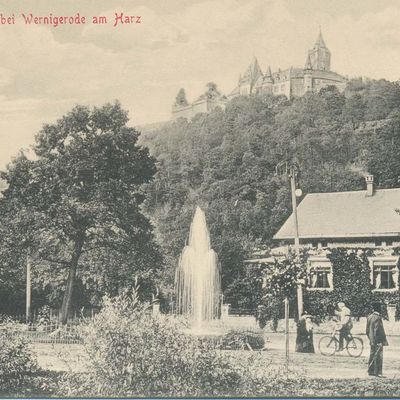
{"x": 366, "y": 219}
{"x": 350, "y": 243}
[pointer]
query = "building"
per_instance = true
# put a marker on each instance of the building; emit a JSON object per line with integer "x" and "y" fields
{"x": 291, "y": 82}
{"x": 207, "y": 102}
{"x": 366, "y": 222}
{"x": 365, "y": 218}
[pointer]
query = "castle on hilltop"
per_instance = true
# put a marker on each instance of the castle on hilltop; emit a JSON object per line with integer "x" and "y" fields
{"x": 292, "y": 82}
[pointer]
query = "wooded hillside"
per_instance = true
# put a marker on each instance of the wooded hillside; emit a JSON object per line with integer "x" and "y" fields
{"x": 226, "y": 161}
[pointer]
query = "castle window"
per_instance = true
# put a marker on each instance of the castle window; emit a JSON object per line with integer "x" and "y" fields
{"x": 320, "y": 276}
{"x": 384, "y": 273}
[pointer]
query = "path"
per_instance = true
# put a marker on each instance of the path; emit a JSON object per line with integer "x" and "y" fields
{"x": 337, "y": 366}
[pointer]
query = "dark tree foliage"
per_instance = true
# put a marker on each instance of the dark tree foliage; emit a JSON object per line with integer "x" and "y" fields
{"x": 76, "y": 206}
{"x": 225, "y": 162}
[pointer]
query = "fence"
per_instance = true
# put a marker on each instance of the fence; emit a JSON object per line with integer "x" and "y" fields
{"x": 51, "y": 332}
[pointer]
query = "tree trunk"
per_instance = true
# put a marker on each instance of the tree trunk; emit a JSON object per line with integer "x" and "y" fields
{"x": 66, "y": 304}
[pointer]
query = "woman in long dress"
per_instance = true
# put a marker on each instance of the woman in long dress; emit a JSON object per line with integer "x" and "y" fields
{"x": 304, "y": 339}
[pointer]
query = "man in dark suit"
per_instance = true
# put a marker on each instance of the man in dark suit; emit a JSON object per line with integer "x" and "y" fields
{"x": 377, "y": 339}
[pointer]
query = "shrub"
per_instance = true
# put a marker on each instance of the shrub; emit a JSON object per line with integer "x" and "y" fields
{"x": 240, "y": 338}
{"x": 131, "y": 352}
{"x": 17, "y": 363}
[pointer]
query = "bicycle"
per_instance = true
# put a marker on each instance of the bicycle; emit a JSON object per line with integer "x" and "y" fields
{"x": 329, "y": 345}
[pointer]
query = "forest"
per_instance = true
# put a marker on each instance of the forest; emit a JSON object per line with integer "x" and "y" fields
{"x": 225, "y": 161}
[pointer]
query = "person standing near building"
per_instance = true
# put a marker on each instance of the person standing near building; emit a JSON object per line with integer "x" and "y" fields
{"x": 377, "y": 339}
{"x": 345, "y": 324}
{"x": 304, "y": 338}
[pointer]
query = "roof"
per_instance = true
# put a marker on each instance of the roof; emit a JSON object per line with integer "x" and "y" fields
{"x": 320, "y": 41}
{"x": 253, "y": 71}
{"x": 346, "y": 215}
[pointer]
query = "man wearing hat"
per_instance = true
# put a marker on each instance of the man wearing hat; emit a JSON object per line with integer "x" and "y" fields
{"x": 377, "y": 339}
{"x": 345, "y": 324}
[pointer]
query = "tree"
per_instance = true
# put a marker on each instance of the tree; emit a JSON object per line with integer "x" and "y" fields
{"x": 380, "y": 148}
{"x": 181, "y": 99}
{"x": 76, "y": 205}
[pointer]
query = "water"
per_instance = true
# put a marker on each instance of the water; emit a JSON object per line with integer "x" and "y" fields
{"x": 197, "y": 279}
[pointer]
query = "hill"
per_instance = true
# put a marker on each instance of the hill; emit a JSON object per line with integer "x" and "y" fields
{"x": 226, "y": 161}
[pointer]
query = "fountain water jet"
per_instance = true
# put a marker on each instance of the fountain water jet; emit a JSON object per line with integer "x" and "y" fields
{"x": 197, "y": 279}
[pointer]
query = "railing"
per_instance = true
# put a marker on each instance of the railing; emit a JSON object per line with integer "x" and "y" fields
{"x": 51, "y": 332}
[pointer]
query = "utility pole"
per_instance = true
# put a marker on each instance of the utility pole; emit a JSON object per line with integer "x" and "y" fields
{"x": 28, "y": 288}
{"x": 290, "y": 171}
{"x": 292, "y": 174}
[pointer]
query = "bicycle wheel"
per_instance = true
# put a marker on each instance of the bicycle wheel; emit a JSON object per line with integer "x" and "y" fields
{"x": 355, "y": 347}
{"x": 328, "y": 345}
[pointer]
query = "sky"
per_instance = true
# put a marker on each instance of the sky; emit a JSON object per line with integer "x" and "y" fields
{"x": 45, "y": 70}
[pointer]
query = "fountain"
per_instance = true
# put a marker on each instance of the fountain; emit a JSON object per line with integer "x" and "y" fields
{"x": 197, "y": 279}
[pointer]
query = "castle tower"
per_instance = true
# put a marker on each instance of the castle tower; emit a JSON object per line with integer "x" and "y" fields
{"x": 308, "y": 86}
{"x": 320, "y": 56}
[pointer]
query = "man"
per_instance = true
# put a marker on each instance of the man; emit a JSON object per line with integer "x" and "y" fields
{"x": 346, "y": 325}
{"x": 377, "y": 339}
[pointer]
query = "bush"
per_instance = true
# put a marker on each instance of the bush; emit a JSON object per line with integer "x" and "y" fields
{"x": 17, "y": 363}
{"x": 131, "y": 352}
{"x": 241, "y": 338}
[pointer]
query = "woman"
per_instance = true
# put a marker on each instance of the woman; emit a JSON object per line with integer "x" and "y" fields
{"x": 304, "y": 339}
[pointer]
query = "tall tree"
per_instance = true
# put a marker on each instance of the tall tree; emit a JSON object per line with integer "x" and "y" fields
{"x": 77, "y": 203}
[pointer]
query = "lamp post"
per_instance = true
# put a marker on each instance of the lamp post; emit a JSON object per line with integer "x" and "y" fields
{"x": 28, "y": 288}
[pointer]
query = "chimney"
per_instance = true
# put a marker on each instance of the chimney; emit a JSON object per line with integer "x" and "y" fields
{"x": 369, "y": 179}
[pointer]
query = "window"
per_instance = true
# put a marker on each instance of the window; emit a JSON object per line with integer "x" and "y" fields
{"x": 384, "y": 273}
{"x": 320, "y": 274}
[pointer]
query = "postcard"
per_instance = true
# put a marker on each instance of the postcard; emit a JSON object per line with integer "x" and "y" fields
{"x": 199, "y": 198}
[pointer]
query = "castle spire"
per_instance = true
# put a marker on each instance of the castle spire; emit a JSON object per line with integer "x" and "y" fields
{"x": 319, "y": 55}
{"x": 308, "y": 65}
{"x": 320, "y": 40}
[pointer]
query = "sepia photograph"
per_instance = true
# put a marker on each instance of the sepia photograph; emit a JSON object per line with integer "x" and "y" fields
{"x": 199, "y": 198}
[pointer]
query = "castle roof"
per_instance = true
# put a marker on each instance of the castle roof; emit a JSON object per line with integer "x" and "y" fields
{"x": 345, "y": 215}
{"x": 253, "y": 72}
{"x": 320, "y": 41}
